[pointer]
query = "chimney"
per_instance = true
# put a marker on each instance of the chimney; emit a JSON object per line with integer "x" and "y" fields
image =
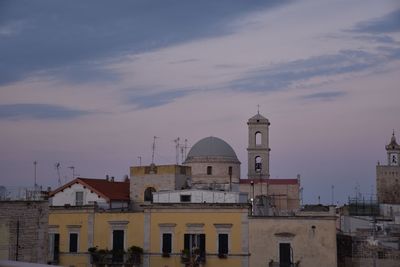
{"x": 112, "y": 179}
{"x": 107, "y": 177}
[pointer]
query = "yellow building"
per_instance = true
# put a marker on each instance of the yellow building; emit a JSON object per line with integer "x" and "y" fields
{"x": 73, "y": 230}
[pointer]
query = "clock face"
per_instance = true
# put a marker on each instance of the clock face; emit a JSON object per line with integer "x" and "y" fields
{"x": 394, "y": 159}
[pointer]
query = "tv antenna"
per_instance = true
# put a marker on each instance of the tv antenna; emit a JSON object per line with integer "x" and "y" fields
{"x": 73, "y": 171}
{"x": 34, "y": 174}
{"x": 176, "y": 141}
{"x": 153, "y": 149}
{"x": 58, "y": 166}
{"x": 140, "y": 160}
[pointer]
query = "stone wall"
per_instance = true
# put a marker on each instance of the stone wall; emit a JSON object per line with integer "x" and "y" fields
{"x": 388, "y": 184}
{"x": 24, "y": 223}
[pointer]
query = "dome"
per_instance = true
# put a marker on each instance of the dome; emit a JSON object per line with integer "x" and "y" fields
{"x": 212, "y": 147}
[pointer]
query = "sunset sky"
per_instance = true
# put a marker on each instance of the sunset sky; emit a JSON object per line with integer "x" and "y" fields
{"x": 88, "y": 84}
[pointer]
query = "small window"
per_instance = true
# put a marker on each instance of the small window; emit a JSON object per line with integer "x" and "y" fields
{"x": 209, "y": 170}
{"x": 166, "y": 243}
{"x": 230, "y": 170}
{"x": 73, "y": 242}
{"x": 78, "y": 198}
{"x": 186, "y": 198}
{"x": 223, "y": 244}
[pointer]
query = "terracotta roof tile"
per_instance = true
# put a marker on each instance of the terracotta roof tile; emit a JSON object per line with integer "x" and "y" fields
{"x": 111, "y": 190}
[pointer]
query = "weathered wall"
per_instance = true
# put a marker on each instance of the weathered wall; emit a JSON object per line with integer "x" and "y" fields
{"x": 31, "y": 235}
{"x": 312, "y": 238}
{"x": 388, "y": 184}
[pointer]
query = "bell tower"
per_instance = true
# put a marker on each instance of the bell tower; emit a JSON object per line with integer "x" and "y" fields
{"x": 393, "y": 152}
{"x": 388, "y": 176}
{"x": 258, "y": 147}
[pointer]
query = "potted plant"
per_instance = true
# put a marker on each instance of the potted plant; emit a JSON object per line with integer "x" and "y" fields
{"x": 135, "y": 255}
{"x": 185, "y": 255}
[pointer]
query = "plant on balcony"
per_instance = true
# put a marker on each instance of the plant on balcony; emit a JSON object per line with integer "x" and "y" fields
{"x": 185, "y": 256}
{"x": 98, "y": 256}
{"x": 135, "y": 255}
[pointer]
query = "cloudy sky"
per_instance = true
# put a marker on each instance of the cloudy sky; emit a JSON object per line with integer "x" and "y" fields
{"x": 89, "y": 83}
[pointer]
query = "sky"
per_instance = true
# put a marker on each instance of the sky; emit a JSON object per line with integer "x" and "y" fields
{"x": 89, "y": 84}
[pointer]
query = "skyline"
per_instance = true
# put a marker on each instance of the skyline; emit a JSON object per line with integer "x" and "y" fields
{"x": 89, "y": 85}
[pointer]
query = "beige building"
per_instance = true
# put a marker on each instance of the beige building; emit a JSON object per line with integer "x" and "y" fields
{"x": 388, "y": 176}
{"x": 304, "y": 239}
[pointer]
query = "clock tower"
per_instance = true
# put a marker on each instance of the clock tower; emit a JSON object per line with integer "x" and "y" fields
{"x": 388, "y": 176}
{"x": 258, "y": 147}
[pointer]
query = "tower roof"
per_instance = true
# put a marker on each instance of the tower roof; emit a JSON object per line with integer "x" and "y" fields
{"x": 393, "y": 144}
{"x": 258, "y": 119}
{"x": 212, "y": 147}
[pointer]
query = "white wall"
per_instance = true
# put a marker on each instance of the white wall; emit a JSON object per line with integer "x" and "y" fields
{"x": 199, "y": 196}
{"x": 67, "y": 196}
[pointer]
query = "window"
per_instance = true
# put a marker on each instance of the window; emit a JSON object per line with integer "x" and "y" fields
{"x": 209, "y": 170}
{"x": 258, "y": 138}
{"x": 230, "y": 170}
{"x": 223, "y": 244}
{"x": 148, "y": 194}
{"x": 118, "y": 245}
{"x": 73, "y": 242}
{"x": 186, "y": 198}
{"x": 195, "y": 244}
{"x": 78, "y": 198}
{"x": 54, "y": 247}
{"x": 166, "y": 243}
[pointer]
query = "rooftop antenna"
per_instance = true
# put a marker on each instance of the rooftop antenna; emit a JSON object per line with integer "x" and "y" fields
{"x": 58, "y": 165}
{"x": 258, "y": 109}
{"x": 185, "y": 147}
{"x": 333, "y": 194}
{"x": 176, "y": 141}
{"x": 34, "y": 175}
{"x": 73, "y": 171}
{"x": 153, "y": 149}
{"x": 140, "y": 160}
{"x": 182, "y": 149}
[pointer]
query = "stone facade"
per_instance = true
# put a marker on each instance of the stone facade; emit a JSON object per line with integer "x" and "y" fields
{"x": 156, "y": 178}
{"x": 23, "y": 231}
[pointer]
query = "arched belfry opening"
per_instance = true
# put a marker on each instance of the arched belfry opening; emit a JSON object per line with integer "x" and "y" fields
{"x": 258, "y": 164}
{"x": 258, "y": 138}
{"x": 148, "y": 193}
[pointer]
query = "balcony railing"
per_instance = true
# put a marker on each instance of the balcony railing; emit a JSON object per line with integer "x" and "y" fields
{"x": 278, "y": 264}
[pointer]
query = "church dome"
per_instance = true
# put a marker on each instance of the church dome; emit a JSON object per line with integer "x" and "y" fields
{"x": 212, "y": 147}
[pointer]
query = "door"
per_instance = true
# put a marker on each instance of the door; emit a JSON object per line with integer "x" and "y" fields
{"x": 284, "y": 255}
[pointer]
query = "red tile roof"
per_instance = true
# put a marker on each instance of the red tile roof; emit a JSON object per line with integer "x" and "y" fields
{"x": 108, "y": 189}
{"x": 271, "y": 181}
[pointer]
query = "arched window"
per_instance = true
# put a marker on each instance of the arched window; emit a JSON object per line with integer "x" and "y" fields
{"x": 258, "y": 138}
{"x": 258, "y": 165}
{"x": 148, "y": 193}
